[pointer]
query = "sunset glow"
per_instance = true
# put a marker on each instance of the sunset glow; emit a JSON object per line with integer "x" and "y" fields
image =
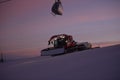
{"x": 26, "y": 25}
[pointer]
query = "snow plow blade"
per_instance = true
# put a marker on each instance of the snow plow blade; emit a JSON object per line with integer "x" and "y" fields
{"x": 52, "y": 51}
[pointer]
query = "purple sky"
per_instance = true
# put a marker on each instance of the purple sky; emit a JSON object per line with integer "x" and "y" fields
{"x": 28, "y": 24}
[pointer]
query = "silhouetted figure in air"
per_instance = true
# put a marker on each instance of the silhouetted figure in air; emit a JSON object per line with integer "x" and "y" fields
{"x": 56, "y": 8}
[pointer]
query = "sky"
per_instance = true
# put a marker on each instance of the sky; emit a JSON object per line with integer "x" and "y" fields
{"x": 27, "y": 25}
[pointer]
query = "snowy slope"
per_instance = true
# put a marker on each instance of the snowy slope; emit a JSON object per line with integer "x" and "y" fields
{"x": 94, "y": 64}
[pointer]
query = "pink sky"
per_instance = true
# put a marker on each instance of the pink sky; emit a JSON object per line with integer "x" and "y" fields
{"x": 28, "y": 24}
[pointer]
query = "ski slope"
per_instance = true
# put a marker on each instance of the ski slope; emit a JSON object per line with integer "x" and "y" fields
{"x": 94, "y": 64}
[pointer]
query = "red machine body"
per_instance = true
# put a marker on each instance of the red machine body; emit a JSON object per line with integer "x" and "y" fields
{"x": 62, "y": 40}
{"x": 63, "y": 43}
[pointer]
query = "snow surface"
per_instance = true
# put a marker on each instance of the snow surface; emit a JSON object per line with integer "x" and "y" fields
{"x": 94, "y": 64}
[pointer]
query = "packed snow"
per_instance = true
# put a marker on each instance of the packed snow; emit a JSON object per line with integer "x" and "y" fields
{"x": 93, "y": 64}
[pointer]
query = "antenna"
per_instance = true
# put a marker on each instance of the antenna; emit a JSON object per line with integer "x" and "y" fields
{"x": 1, "y": 57}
